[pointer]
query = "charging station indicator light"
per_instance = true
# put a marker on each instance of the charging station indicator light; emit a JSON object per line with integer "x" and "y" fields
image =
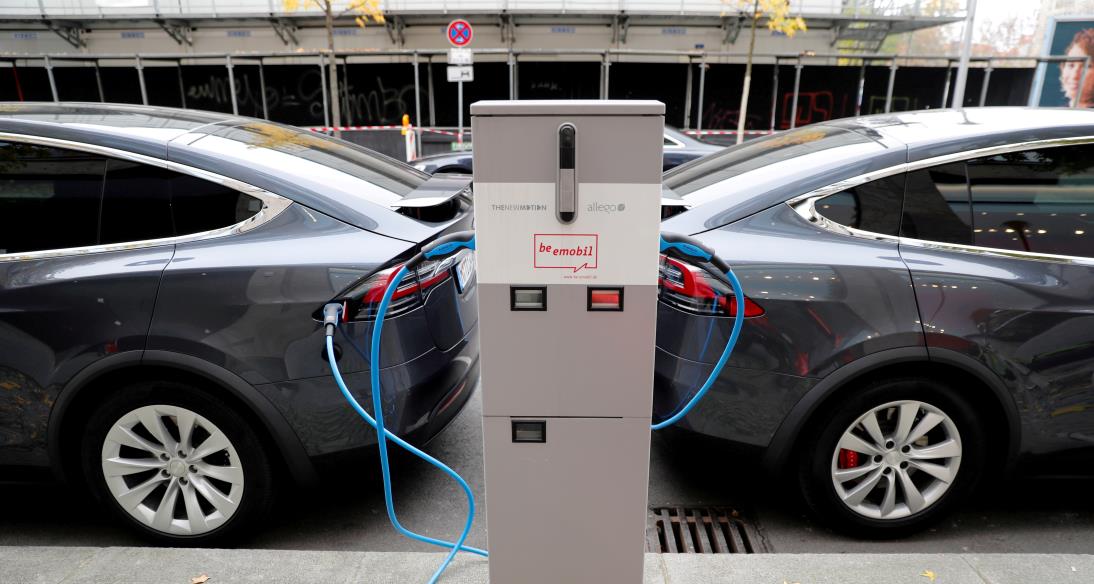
{"x": 528, "y": 298}
{"x": 605, "y": 299}
{"x": 530, "y": 431}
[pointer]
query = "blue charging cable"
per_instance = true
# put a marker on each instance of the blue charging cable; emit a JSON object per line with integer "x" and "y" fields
{"x": 671, "y": 244}
{"x": 331, "y": 317}
{"x": 692, "y": 250}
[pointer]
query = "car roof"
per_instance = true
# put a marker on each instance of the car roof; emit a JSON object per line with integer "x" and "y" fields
{"x": 136, "y": 128}
{"x": 198, "y": 139}
{"x": 886, "y": 140}
{"x": 931, "y": 133}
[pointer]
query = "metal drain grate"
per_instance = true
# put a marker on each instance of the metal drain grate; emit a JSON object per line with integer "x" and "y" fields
{"x": 700, "y": 530}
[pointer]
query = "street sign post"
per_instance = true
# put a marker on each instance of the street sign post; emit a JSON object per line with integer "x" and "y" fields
{"x": 459, "y": 35}
{"x": 460, "y": 56}
{"x": 460, "y": 73}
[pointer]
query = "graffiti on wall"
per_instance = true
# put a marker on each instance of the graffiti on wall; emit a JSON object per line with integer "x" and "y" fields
{"x": 375, "y": 94}
{"x": 381, "y": 105}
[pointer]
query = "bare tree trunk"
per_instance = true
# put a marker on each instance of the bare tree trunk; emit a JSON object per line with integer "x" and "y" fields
{"x": 335, "y": 97}
{"x": 748, "y": 75}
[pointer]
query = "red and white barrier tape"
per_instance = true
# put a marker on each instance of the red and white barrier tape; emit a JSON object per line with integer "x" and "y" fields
{"x": 352, "y": 128}
{"x": 444, "y": 132}
{"x": 326, "y": 129}
{"x": 727, "y": 132}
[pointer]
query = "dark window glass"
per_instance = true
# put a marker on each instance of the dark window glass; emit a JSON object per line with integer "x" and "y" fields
{"x": 49, "y": 198}
{"x": 936, "y": 205}
{"x": 136, "y": 203}
{"x": 874, "y": 206}
{"x": 1038, "y": 200}
{"x": 200, "y": 205}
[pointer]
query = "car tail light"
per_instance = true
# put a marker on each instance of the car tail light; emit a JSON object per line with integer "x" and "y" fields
{"x": 693, "y": 289}
{"x": 363, "y": 301}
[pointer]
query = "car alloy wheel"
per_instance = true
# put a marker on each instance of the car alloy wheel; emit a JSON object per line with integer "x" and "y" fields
{"x": 896, "y": 460}
{"x": 172, "y": 470}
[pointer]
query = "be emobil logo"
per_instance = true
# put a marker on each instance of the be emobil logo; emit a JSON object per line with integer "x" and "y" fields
{"x": 574, "y": 251}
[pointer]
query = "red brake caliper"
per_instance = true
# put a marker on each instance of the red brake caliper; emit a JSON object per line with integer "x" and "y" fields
{"x": 847, "y": 458}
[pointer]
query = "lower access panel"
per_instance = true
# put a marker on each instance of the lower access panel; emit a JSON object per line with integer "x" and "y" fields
{"x": 570, "y": 508}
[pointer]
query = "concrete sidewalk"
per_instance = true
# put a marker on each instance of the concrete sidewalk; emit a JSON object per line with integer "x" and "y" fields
{"x": 51, "y": 565}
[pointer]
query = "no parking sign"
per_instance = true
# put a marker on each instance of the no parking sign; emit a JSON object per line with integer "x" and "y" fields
{"x": 459, "y": 33}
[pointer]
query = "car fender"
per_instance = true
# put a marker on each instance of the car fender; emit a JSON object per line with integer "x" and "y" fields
{"x": 288, "y": 444}
{"x": 998, "y": 388}
{"x": 779, "y": 451}
{"x": 67, "y": 396}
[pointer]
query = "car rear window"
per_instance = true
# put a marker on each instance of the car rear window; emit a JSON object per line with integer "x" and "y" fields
{"x": 874, "y": 206}
{"x": 325, "y": 152}
{"x": 757, "y": 154}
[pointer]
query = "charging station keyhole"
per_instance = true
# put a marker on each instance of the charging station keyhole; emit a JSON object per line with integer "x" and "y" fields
{"x": 566, "y": 186}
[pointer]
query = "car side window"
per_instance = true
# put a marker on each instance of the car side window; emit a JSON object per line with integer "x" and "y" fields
{"x": 1038, "y": 201}
{"x": 199, "y": 205}
{"x": 936, "y": 205}
{"x": 142, "y": 202}
{"x": 49, "y": 197}
{"x": 136, "y": 203}
{"x": 54, "y": 198}
{"x": 873, "y": 206}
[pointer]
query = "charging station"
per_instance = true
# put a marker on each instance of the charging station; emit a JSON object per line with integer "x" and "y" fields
{"x": 567, "y": 218}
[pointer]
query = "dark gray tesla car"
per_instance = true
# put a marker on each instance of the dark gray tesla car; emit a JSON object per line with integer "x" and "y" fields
{"x": 161, "y": 276}
{"x": 921, "y": 305}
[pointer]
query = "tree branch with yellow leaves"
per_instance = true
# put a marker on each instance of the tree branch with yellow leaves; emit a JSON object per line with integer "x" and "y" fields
{"x": 363, "y": 11}
{"x": 779, "y": 20}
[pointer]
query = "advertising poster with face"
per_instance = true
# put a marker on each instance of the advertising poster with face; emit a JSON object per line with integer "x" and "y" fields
{"x": 1062, "y": 84}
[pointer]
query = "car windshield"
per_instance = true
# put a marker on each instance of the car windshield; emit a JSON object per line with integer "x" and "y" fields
{"x": 783, "y": 154}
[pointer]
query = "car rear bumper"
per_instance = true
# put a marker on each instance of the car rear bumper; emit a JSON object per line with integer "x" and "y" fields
{"x": 420, "y": 398}
{"x": 745, "y": 406}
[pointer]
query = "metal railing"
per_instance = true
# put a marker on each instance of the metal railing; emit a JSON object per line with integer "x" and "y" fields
{"x": 512, "y": 58}
{"x": 105, "y": 9}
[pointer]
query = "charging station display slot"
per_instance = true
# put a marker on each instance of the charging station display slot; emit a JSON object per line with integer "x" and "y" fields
{"x": 530, "y": 431}
{"x": 528, "y": 298}
{"x": 603, "y": 299}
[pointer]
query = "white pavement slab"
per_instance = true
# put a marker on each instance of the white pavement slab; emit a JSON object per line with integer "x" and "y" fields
{"x": 78, "y": 565}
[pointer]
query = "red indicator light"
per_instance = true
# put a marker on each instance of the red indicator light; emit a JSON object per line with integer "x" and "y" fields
{"x": 606, "y": 299}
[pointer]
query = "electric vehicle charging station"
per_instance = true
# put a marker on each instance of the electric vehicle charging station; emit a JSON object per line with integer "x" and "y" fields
{"x": 570, "y": 221}
{"x": 567, "y": 216}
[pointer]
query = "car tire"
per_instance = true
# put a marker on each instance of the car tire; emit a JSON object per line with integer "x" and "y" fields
{"x": 889, "y": 479}
{"x": 203, "y": 489}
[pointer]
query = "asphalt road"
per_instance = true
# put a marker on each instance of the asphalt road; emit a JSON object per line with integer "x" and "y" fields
{"x": 347, "y": 513}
